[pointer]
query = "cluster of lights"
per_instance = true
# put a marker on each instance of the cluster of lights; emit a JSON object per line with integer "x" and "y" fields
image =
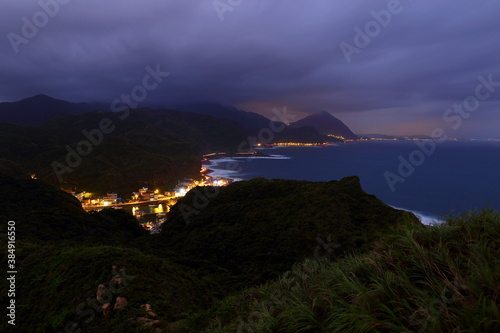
{"x": 182, "y": 192}
{"x": 336, "y": 136}
{"x": 297, "y": 144}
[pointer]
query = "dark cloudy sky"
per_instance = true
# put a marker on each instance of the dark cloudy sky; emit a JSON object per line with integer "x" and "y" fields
{"x": 265, "y": 54}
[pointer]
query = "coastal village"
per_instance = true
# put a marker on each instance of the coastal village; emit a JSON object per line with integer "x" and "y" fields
{"x": 150, "y": 206}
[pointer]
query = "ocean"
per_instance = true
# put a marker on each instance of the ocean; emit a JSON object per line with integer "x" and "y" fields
{"x": 448, "y": 180}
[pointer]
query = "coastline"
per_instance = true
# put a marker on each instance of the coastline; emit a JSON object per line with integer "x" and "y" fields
{"x": 217, "y": 172}
{"x": 214, "y": 170}
{"x": 425, "y": 218}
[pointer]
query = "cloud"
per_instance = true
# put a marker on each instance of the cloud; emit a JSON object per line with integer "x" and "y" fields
{"x": 264, "y": 54}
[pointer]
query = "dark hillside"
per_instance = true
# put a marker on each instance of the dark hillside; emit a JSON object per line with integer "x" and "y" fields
{"x": 259, "y": 228}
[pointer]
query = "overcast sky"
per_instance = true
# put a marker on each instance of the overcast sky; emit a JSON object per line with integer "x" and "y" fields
{"x": 262, "y": 54}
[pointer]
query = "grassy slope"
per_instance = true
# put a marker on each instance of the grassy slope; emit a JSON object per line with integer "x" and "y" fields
{"x": 54, "y": 282}
{"x": 257, "y": 229}
{"x": 43, "y": 213}
{"x": 416, "y": 279}
{"x": 419, "y": 279}
{"x": 63, "y": 254}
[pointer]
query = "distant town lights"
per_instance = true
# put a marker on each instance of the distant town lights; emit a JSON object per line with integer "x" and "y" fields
{"x": 182, "y": 192}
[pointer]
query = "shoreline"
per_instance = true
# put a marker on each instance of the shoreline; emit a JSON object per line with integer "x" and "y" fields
{"x": 214, "y": 172}
{"x": 214, "y": 160}
{"x": 425, "y": 218}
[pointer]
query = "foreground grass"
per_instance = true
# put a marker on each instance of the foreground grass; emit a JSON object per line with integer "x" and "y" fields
{"x": 420, "y": 279}
{"x": 57, "y": 289}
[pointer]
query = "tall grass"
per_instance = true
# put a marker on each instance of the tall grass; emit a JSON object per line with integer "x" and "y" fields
{"x": 443, "y": 278}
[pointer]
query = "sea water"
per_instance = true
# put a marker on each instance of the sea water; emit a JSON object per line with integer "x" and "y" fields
{"x": 456, "y": 177}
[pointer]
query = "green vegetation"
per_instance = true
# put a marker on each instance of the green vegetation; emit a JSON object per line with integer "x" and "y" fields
{"x": 151, "y": 148}
{"x": 58, "y": 286}
{"x": 257, "y": 229}
{"x": 261, "y": 256}
{"x": 43, "y": 213}
{"x": 418, "y": 279}
{"x": 63, "y": 254}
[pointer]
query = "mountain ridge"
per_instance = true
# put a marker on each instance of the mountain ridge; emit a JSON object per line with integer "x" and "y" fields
{"x": 327, "y": 124}
{"x": 38, "y": 109}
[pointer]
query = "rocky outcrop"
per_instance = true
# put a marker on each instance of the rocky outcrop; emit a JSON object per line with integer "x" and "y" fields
{"x": 102, "y": 293}
{"x": 107, "y": 310}
{"x": 150, "y": 319}
{"x": 120, "y": 303}
{"x": 108, "y": 298}
{"x": 111, "y": 302}
{"x": 149, "y": 311}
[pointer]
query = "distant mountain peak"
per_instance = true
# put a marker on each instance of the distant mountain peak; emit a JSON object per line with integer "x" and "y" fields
{"x": 36, "y": 110}
{"x": 325, "y": 123}
{"x": 40, "y": 97}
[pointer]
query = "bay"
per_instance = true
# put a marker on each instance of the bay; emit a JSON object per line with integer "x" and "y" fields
{"x": 458, "y": 176}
